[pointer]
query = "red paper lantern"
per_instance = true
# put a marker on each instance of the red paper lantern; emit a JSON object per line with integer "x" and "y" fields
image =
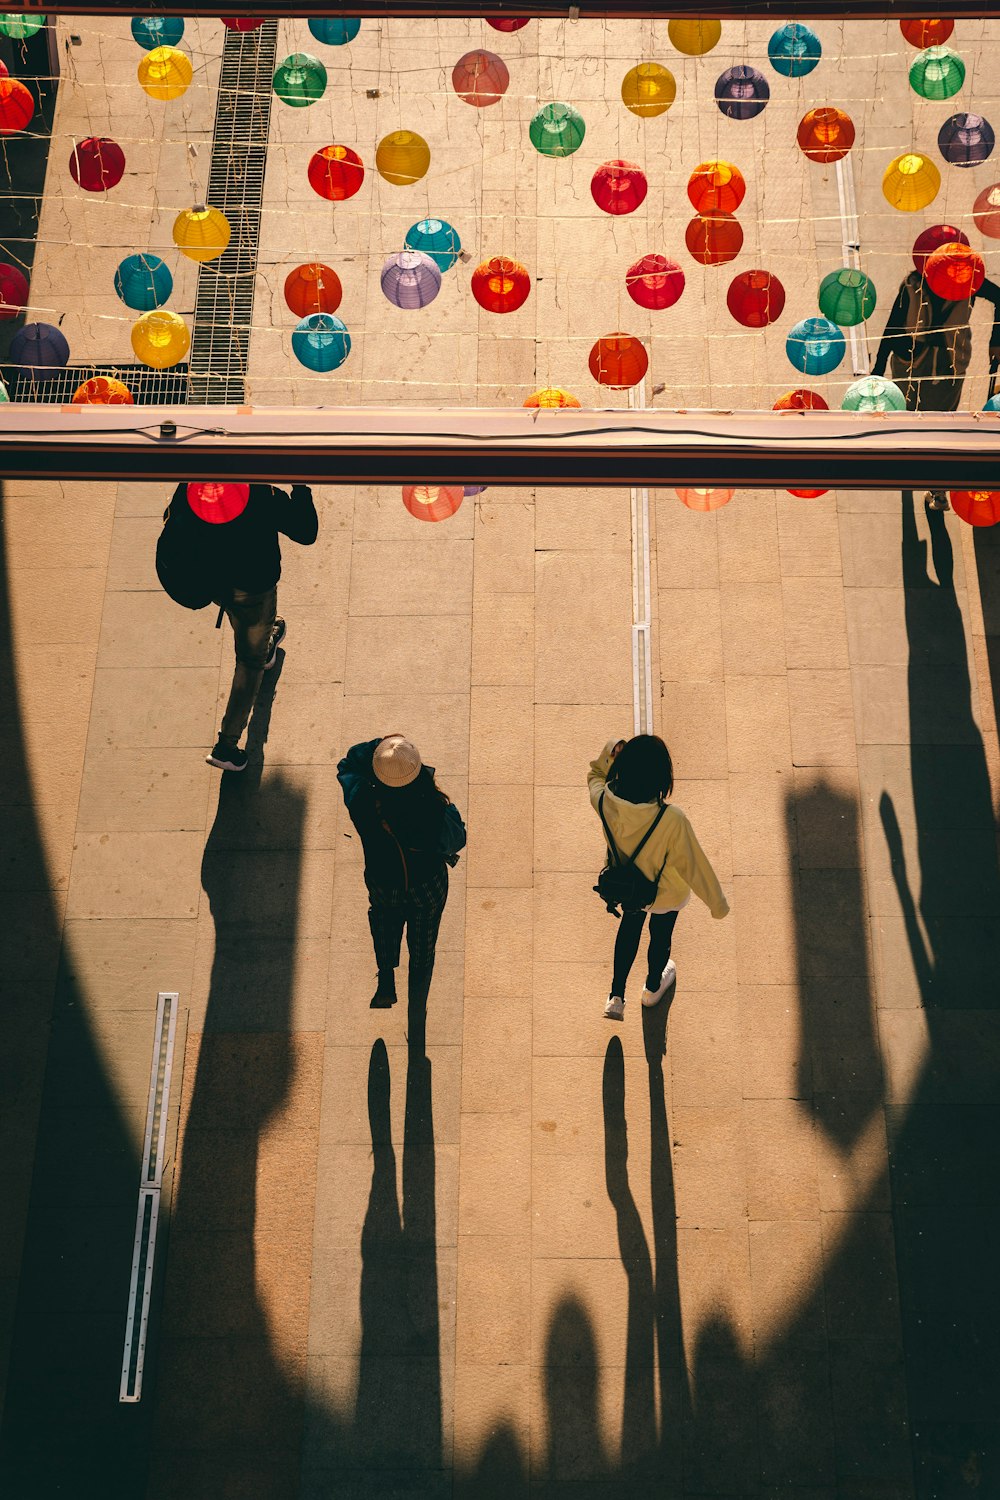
{"x": 433, "y": 502}
{"x": 808, "y": 494}
{"x": 13, "y": 291}
{"x": 97, "y": 164}
{"x": 929, "y": 240}
{"x": 17, "y": 105}
{"x": 654, "y": 282}
{"x": 927, "y": 33}
{"x": 716, "y": 187}
{"x": 102, "y": 390}
{"x": 825, "y": 134}
{"x": 480, "y": 78}
{"x": 618, "y": 361}
{"x": 755, "y": 298}
{"x": 512, "y": 23}
{"x": 242, "y": 23}
{"x": 501, "y": 285}
{"x": 217, "y": 503}
{"x": 619, "y": 187}
{"x": 800, "y": 400}
{"x": 714, "y": 238}
{"x": 978, "y": 507}
{"x": 986, "y": 212}
{"x": 4, "y": 70}
{"x": 336, "y": 173}
{"x": 313, "y": 288}
{"x": 955, "y": 271}
{"x": 704, "y": 499}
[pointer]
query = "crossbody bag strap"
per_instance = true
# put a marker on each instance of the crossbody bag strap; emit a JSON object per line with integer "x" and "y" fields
{"x": 642, "y": 842}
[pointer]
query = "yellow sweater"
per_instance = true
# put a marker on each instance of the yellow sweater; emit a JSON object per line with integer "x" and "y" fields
{"x": 686, "y": 869}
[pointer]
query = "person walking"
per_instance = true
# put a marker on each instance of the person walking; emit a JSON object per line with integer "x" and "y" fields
{"x": 220, "y": 545}
{"x": 649, "y": 838}
{"x": 410, "y": 832}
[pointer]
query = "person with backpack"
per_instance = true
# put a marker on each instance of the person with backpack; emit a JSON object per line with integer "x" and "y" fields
{"x": 219, "y": 545}
{"x": 410, "y": 832}
{"x": 654, "y": 861}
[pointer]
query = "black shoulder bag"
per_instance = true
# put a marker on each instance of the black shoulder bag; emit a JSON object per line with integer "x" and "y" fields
{"x": 621, "y": 883}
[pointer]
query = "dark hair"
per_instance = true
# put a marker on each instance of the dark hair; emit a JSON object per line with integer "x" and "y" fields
{"x": 414, "y": 811}
{"x": 642, "y": 771}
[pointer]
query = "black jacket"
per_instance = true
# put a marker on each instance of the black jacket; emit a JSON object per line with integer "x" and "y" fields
{"x": 245, "y": 554}
{"x": 392, "y": 863}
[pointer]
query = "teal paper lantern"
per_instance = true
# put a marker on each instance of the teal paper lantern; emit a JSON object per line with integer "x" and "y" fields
{"x": 436, "y": 239}
{"x": 794, "y": 50}
{"x": 557, "y": 130}
{"x": 335, "y": 31}
{"x": 874, "y": 394}
{"x": 19, "y": 28}
{"x": 300, "y": 80}
{"x": 815, "y": 346}
{"x": 321, "y": 342}
{"x": 847, "y": 297}
{"x": 157, "y": 31}
{"x": 993, "y": 404}
{"x": 143, "y": 282}
{"x": 937, "y": 73}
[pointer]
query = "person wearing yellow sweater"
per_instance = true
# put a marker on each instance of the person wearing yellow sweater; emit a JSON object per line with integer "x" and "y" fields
{"x": 635, "y": 778}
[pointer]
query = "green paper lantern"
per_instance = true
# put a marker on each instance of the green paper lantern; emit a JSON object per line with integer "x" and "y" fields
{"x": 847, "y": 297}
{"x": 19, "y": 27}
{"x": 874, "y": 394}
{"x": 557, "y": 130}
{"x": 300, "y": 80}
{"x": 937, "y": 73}
{"x": 3, "y": 393}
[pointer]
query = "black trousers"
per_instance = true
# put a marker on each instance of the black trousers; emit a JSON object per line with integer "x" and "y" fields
{"x": 661, "y": 931}
{"x": 419, "y": 909}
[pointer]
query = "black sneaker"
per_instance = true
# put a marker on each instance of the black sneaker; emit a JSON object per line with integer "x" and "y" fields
{"x": 278, "y": 633}
{"x": 227, "y": 757}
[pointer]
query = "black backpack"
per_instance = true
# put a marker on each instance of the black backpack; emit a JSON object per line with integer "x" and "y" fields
{"x": 185, "y": 565}
{"x": 621, "y": 882}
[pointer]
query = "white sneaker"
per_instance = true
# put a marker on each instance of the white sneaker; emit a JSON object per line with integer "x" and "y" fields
{"x": 667, "y": 978}
{"x": 615, "y": 1008}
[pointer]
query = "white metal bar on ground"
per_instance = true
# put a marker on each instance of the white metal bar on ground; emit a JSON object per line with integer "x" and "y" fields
{"x": 850, "y": 230}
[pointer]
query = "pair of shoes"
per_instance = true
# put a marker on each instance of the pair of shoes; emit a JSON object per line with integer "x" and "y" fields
{"x": 615, "y": 1008}
{"x": 227, "y": 757}
{"x": 936, "y": 500}
{"x": 278, "y": 632}
{"x": 667, "y": 978}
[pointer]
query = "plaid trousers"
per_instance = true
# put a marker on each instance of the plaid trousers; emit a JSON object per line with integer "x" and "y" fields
{"x": 419, "y": 908}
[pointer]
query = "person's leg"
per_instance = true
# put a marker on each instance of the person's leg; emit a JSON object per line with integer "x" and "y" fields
{"x": 626, "y": 948}
{"x": 386, "y": 914}
{"x": 424, "y": 910}
{"x": 252, "y": 617}
{"x": 661, "y": 932}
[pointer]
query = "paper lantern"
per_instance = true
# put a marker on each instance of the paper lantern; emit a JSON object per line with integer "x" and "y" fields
{"x": 41, "y": 348}
{"x": 102, "y": 390}
{"x": 694, "y": 38}
{"x": 4, "y": 398}
{"x": 336, "y": 173}
{"x": 410, "y": 279}
{"x": 927, "y": 33}
{"x": 825, "y": 134}
{"x": 157, "y": 31}
{"x": 300, "y": 80}
{"x": 13, "y": 291}
{"x": 937, "y": 73}
{"x": 432, "y": 502}
{"x": 815, "y": 346}
{"x": 17, "y": 105}
{"x": 742, "y": 92}
{"x": 955, "y": 272}
{"x": 986, "y": 212}
{"x": 143, "y": 282}
{"x": 654, "y": 282}
{"x": 966, "y": 140}
{"x": 508, "y": 23}
{"x": 713, "y": 239}
{"x": 242, "y": 23}
{"x": 402, "y": 157}
{"x": 648, "y": 90}
{"x": 480, "y": 78}
{"x": 847, "y": 297}
{"x": 201, "y": 233}
{"x": 794, "y": 50}
{"x": 500, "y": 285}
{"x": 97, "y": 164}
{"x": 800, "y": 400}
{"x": 618, "y": 187}
{"x": 716, "y": 187}
{"x": 19, "y": 28}
{"x": 4, "y": 70}
{"x": 929, "y": 240}
{"x": 437, "y": 239}
{"x": 807, "y": 494}
{"x": 618, "y": 361}
{"x": 312, "y": 288}
{"x": 755, "y": 298}
{"x": 321, "y": 342}
{"x": 704, "y": 500}
{"x": 551, "y": 398}
{"x": 473, "y": 489}
{"x": 911, "y": 181}
{"x": 160, "y": 339}
{"x": 978, "y": 507}
{"x": 993, "y": 404}
{"x": 557, "y": 130}
{"x": 873, "y": 393}
{"x": 217, "y": 503}
{"x": 335, "y": 31}
{"x": 165, "y": 73}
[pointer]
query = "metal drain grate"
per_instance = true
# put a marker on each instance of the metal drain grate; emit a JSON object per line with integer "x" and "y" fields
{"x": 224, "y": 305}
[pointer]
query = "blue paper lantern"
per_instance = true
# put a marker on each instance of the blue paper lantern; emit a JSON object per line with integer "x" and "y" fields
{"x": 473, "y": 489}
{"x": 742, "y": 92}
{"x": 993, "y": 404}
{"x": 321, "y": 342}
{"x": 41, "y": 347}
{"x": 815, "y": 346}
{"x": 966, "y": 140}
{"x": 157, "y": 31}
{"x": 436, "y": 239}
{"x": 410, "y": 279}
{"x": 333, "y": 30}
{"x": 794, "y": 50}
{"x": 143, "y": 282}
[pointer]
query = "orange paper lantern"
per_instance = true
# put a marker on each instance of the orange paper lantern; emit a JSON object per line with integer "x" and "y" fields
{"x": 713, "y": 239}
{"x": 716, "y": 186}
{"x": 500, "y": 285}
{"x": 755, "y": 298}
{"x": 618, "y": 361}
{"x": 480, "y": 78}
{"x": 927, "y": 33}
{"x": 313, "y": 288}
{"x": 551, "y": 399}
{"x": 102, "y": 390}
{"x": 978, "y": 507}
{"x": 955, "y": 271}
{"x": 800, "y": 400}
{"x": 704, "y": 499}
{"x": 432, "y": 502}
{"x": 808, "y": 494}
{"x": 986, "y": 212}
{"x": 17, "y": 105}
{"x": 825, "y": 134}
{"x": 336, "y": 173}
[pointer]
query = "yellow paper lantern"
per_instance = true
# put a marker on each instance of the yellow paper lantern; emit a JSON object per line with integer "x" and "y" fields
{"x": 402, "y": 157}
{"x": 160, "y": 338}
{"x": 165, "y": 72}
{"x": 648, "y": 90}
{"x": 201, "y": 233}
{"x": 694, "y": 37}
{"x": 911, "y": 181}
{"x": 552, "y": 398}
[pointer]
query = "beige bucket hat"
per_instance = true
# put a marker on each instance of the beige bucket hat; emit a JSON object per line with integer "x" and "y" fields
{"x": 396, "y": 762}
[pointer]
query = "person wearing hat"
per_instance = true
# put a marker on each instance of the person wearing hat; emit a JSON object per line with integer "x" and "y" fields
{"x": 219, "y": 545}
{"x": 410, "y": 832}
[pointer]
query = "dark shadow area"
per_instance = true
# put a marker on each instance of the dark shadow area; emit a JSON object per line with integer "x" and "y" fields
{"x": 23, "y": 160}
{"x": 987, "y": 544}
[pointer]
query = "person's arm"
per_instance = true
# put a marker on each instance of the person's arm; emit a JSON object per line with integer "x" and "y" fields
{"x": 355, "y": 770}
{"x": 295, "y": 514}
{"x": 991, "y": 292}
{"x": 691, "y": 862}
{"x": 453, "y": 835}
{"x": 895, "y": 334}
{"x": 599, "y": 768}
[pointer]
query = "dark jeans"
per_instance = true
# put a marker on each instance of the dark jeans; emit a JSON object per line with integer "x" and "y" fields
{"x": 252, "y": 618}
{"x": 419, "y": 910}
{"x": 661, "y": 931}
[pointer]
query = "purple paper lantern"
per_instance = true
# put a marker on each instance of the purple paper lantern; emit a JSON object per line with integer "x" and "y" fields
{"x": 966, "y": 140}
{"x": 742, "y": 92}
{"x": 41, "y": 348}
{"x": 473, "y": 489}
{"x": 410, "y": 279}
